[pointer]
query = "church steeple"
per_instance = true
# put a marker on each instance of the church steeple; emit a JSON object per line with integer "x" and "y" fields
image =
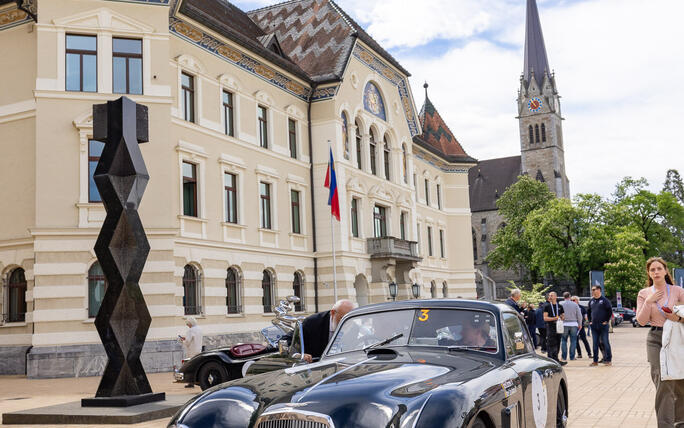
{"x": 536, "y": 61}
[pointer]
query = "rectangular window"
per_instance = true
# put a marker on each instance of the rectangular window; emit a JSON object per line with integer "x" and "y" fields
{"x": 402, "y": 225}
{"x": 94, "y": 151}
{"x": 263, "y": 127}
{"x": 292, "y": 137}
{"x": 355, "y": 217}
{"x": 358, "y": 148}
{"x": 265, "y": 196}
{"x": 415, "y": 187}
{"x": 81, "y": 63}
{"x": 189, "y": 189}
{"x": 228, "y": 113}
{"x": 372, "y": 158}
{"x": 429, "y": 233}
{"x": 418, "y": 237}
{"x": 127, "y": 66}
{"x": 441, "y": 243}
{"x": 188, "y": 97}
{"x": 439, "y": 196}
{"x": 379, "y": 222}
{"x": 230, "y": 186}
{"x": 427, "y": 192}
{"x": 294, "y": 198}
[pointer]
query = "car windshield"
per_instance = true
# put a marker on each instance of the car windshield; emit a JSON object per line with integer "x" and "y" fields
{"x": 471, "y": 329}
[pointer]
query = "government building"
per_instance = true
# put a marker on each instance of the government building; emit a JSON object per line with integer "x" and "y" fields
{"x": 243, "y": 110}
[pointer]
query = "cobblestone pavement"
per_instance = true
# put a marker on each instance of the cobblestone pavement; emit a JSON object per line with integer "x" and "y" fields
{"x": 603, "y": 397}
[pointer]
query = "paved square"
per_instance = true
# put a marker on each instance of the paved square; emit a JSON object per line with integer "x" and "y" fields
{"x": 603, "y": 397}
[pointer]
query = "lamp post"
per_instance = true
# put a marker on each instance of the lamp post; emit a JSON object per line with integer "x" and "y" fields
{"x": 393, "y": 290}
{"x": 415, "y": 290}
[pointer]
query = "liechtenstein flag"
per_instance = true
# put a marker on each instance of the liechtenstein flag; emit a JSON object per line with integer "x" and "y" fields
{"x": 331, "y": 183}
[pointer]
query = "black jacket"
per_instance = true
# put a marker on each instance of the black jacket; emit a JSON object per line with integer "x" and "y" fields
{"x": 510, "y": 302}
{"x": 600, "y": 311}
{"x": 316, "y": 329}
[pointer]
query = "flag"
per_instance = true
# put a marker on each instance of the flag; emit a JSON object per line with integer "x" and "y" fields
{"x": 331, "y": 183}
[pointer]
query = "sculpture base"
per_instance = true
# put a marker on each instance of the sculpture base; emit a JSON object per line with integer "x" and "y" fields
{"x": 123, "y": 400}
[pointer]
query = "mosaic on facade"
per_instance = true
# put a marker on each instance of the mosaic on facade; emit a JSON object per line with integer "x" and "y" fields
{"x": 372, "y": 101}
{"x": 13, "y": 17}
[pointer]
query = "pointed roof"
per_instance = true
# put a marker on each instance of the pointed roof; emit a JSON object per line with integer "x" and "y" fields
{"x": 436, "y": 136}
{"x": 489, "y": 180}
{"x": 317, "y": 35}
{"x": 536, "y": 60}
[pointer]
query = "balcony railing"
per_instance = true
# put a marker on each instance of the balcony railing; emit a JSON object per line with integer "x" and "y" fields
{"x": 394, "y": 248}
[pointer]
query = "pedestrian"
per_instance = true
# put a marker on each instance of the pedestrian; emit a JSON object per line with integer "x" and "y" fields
{"x": 192, "y": 341}
{"x": 319, "y": 328}
{"x": 541, "y": 325}
{"x": 599, "y": 313}
{"x": 531, "y": 321}
{"x": 654, "y": 307}
{"x": 581, "y": 333}
{"x": 571, "y": 322}
{"x": 513, "y": 300}
{"x": 553, "y": 311}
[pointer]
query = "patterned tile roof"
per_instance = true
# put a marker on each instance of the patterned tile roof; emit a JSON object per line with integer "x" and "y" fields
{"x": 437, "y": 135}
{"x": 489, "y": 180}
{"x": 317, "y": 35}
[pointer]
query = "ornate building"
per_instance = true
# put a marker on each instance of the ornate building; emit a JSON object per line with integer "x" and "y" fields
{"x": 541, "y": 154}
{"x": 242, "y": 108}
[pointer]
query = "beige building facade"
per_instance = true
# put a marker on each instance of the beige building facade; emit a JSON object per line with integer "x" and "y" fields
{"x": 240, "y": 121}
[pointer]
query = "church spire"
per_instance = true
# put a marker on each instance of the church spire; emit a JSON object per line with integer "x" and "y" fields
{"x": 536, "y": 61}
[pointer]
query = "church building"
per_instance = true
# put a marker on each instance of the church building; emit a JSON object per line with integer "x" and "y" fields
{"x": 541, "y": 156}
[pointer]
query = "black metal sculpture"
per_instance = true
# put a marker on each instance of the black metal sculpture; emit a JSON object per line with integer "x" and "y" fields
{"x": 121, "y": 249}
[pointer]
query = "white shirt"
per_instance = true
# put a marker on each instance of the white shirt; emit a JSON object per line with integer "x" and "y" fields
{"x": 192, "y": 345}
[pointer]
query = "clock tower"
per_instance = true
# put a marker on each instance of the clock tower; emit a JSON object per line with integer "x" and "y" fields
{"x": 539, "y": 113}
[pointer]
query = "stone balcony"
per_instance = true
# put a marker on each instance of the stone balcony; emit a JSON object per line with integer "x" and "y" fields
{"x": 390, "y": 247}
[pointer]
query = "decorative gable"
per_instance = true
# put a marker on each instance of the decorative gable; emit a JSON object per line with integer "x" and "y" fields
{"x": 103, "y": 19}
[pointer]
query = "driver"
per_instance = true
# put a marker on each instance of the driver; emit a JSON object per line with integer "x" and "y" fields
{"x": 477, "y": 334}
{"x": 318, "y": 328}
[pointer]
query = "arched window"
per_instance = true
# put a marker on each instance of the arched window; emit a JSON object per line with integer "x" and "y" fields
{"x": 17, "y": 296}
{"x": 531, "y": 134}
{"x": 445, "y": 289}
{"x": 373, "y": 151}
{"x": 359, "y": 156}
{"x": 543, "y": 129}
{"x": 536, "y": 133}
{"x": 386, "y": 150}
{"x": 267, "y": 288}
{"x": 433, "y": 290}
{"x": 97, "y": 285}
{"x": 233, "y": 298}
{"x": 191, "y": 291}
{"x": 298, "y": 289}
{"x": 474, "y": 245}
{"x": 404, "y": 163}
{"x": 345, "y": 135}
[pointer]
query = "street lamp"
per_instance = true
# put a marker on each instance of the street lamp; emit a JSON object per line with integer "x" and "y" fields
{"x": 415, "y": 290}
{"x": 393, "y": 290}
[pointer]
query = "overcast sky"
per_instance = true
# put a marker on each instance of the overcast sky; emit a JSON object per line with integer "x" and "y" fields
{"x": 619, "y": 69}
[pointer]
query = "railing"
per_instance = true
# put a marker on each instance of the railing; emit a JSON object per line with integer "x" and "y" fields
{"x": 391, "y": 247}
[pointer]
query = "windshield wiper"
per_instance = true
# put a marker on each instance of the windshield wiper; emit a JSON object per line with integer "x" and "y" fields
{"x": 384, "y": 342}
{"x": 471, "y": 348}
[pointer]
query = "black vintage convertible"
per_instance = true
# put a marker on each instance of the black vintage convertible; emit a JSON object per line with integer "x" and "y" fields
{"x": 409, "y": 364}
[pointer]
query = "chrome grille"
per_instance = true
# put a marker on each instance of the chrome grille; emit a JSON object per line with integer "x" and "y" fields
{"x": 290, "y": 418}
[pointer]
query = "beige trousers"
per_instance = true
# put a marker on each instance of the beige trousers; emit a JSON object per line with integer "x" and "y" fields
{"x": 669, "y": 399}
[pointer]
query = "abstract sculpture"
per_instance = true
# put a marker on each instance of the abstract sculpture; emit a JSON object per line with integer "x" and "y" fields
{"x": 121, "y": 249}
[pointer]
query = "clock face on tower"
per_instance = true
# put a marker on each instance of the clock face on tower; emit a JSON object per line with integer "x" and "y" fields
{"x": 534, "y": 104}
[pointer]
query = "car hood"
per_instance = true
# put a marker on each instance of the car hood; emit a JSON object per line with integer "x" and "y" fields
{"x": 352, "y": 389}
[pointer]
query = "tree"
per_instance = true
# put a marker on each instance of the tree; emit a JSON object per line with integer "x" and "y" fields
{"x": 536, "y": 294}
{"x": 626, "y": 270}
{"x": 512, "y": 250}
{"x": 673, "y": 184}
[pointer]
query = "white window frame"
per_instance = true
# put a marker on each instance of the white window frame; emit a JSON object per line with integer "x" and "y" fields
{"x": 195, "y": 154}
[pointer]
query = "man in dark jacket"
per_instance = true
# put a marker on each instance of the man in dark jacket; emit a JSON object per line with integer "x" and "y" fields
{"x": 599, "y": 313}
{"x": 531, "y": 321}
{"x": 513, "y": 300}
{"x": 541, "y": 325}
{"x": 318, "y": 328}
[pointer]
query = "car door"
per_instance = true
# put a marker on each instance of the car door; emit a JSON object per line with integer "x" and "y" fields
{"x": 533, "y": 373}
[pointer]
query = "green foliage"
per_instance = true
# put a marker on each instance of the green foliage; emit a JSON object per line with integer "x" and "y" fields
{"x": 626, "y": 270}
{"x": 533, "y": 295}
{"x": 673, "y": 184}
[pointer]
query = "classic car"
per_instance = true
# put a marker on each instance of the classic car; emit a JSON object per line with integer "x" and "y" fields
{"x": 409, "y": 364}
{"x": 219, "y": 365}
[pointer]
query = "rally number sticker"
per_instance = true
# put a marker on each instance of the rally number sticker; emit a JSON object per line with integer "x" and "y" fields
{"x": 539, "y": 401}
{"x": 424, "y": 315}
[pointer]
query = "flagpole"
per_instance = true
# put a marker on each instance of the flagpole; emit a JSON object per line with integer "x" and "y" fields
{"x": 332, "y": 232}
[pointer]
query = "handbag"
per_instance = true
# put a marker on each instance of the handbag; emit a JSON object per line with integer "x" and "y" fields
{"x": 560, "y": 329}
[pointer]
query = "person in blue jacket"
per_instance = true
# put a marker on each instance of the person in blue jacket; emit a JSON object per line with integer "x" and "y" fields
{"x": 541, "y": 325}
{"x": 599, "y": 313}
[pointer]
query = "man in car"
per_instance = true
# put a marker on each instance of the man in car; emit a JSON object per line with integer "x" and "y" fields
{"x": 319, "y": 328}
{"x": 476, "y": 333}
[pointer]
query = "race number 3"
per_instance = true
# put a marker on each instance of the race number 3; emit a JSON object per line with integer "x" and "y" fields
{"x": 424, "y": 315}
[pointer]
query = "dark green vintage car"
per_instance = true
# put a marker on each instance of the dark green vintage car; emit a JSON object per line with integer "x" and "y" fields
{"x": 410, "y": 364}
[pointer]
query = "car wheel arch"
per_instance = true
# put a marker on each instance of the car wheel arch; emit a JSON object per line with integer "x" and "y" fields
{"x": 564, "y": 388}
{"x": 484, "y": 416}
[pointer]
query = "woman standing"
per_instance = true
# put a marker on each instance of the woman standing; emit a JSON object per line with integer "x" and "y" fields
{"x": 654, "y": 306}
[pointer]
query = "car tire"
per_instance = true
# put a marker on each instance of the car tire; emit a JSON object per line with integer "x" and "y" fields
{"x": 479, "y": 423}
{"x": 211, "y": 374}
{"x": 561, "y": 409}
